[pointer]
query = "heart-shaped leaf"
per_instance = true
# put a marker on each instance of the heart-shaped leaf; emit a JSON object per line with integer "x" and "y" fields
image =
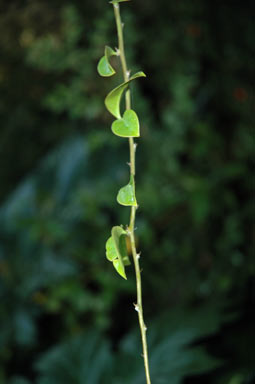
{"x": 128, "y": 126}
{"x": 112, "y": 100}
{"x": 126, "y": 195}
{"x": 104, "y": 67}
{"x": 116, "y": 250}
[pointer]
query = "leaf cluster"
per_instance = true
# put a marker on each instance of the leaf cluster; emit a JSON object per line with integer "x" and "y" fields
{"x": 196, "y": 227}
{"x": 125, "y": 126}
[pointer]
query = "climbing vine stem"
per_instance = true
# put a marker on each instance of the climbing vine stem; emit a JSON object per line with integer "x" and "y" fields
{"x": 131, "y": 228}
{"x": 125, "y": 126}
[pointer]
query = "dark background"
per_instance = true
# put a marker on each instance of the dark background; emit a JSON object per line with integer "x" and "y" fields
{"x": 65, "y": 315}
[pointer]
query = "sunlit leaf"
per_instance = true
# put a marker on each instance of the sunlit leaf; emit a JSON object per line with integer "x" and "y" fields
{"x": 104, "y": 67}
{"x": 128, "y": 126}
{"x": 126, "y": 195}
{"x": 112, "y": 100}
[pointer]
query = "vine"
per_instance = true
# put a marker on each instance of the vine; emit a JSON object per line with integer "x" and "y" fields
{"x": 125, "y": 126}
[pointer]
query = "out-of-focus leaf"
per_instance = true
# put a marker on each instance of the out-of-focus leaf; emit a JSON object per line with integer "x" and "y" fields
{"x": 172, "y": 358}
{"x": 19, "y": 380}
{"x": 24, "y": 328}
{"x": 85, "y": 359}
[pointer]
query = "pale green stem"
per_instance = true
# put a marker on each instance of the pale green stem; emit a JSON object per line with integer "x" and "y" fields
{"x": 132, "y": 147}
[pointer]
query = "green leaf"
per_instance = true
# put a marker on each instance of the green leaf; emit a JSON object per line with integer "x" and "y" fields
{"x": 128, "y": 126}
{"x": 119, "y": 266}
{"x": 116, "y": 250}
{"x": 126, "y": 195}
{"x": 118, "y": 1}
{"x": 112, "y": 100}
{"x": 104, "y": 67}
{"x": 111, "y": 253}
{"x": 126, "y": 260}
{"x": 119, "y": 241}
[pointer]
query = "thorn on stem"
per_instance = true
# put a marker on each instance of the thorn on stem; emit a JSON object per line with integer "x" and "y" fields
{"x": 137, "y": 309}
{"x": 138, "y": 255}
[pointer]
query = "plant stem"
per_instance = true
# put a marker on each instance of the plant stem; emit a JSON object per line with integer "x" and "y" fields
{"x": 132, "y": 148}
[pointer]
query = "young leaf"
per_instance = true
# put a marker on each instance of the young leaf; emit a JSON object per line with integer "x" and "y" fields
{"x": 116, "y": 250}
{"x": 104, "y": 67}
{"x": 128, "y": 126}
{"x": 112, "y": 100}
{"x": 126, "y": 195}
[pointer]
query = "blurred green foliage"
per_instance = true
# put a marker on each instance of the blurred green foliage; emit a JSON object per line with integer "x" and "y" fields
{"x": 170, "y": 357}
{"x": 64, "y": 315}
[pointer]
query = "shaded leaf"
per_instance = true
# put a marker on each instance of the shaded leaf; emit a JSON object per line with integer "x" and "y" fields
{"x": 88, "y": 358}
{"x": 83, "y": 359}
{"x": 19, "y": 380}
